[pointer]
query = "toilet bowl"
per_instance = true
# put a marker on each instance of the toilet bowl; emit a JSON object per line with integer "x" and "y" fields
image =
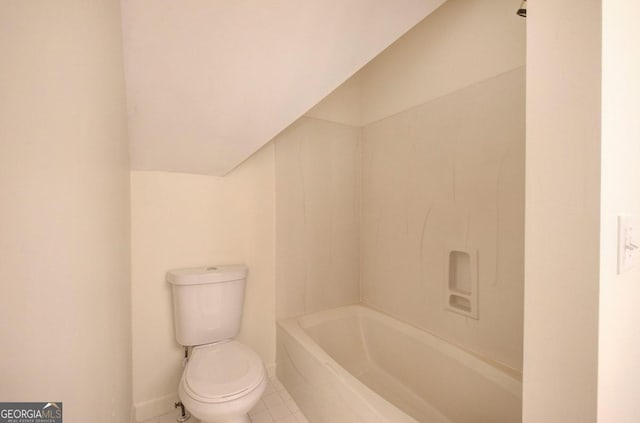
{"x": 222, "y": 382}
{"x": 223, "y": 379}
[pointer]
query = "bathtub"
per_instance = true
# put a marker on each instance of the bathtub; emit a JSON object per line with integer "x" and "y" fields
{"x": 355, "y": 364}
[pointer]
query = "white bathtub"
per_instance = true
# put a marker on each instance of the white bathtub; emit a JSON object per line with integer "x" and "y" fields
{"x": 354, "y": 364}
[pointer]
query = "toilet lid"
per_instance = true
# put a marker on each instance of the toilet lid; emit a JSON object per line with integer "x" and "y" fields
{"x": 221, "y": 371}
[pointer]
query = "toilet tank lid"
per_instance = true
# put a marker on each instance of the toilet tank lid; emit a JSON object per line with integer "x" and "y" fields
{"x": 207, "y": 274}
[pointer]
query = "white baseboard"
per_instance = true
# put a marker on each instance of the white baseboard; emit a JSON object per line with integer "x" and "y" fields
{"x": 155, "y": 407}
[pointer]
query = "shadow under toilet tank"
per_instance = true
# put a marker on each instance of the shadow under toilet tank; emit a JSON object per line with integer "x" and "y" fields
{"x": 207, "y": 303}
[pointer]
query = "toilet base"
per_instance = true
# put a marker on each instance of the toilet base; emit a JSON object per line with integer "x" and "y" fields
{"x": 233, "y": 411}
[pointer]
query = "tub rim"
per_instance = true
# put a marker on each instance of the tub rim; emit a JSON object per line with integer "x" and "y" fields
{"x": 376, "y": 403}
{"x": 502, "y": 375}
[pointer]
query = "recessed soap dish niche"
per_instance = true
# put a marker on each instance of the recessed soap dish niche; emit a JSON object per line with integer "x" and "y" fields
{"x": 462, "y": 281}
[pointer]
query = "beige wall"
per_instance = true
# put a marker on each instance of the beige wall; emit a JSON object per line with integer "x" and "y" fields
{"x": 181, "y": 220}
{"x": 461, "y": 43}
{"x": 317, "y": 216}
{"x": 562, "y": 234}
{"x": 619, "y": 367}
{"x": 343, "y": 105}
{"x": 64, "y": 182}
{"x": 443, "y": 166}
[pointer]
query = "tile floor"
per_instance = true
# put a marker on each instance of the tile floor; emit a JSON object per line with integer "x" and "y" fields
{"x": 275, "y": 406}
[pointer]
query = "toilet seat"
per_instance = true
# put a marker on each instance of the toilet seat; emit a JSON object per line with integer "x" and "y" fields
{"x": 222, "y": 372}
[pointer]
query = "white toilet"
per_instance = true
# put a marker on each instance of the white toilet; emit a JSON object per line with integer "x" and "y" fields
{"x": 223, "y": 379}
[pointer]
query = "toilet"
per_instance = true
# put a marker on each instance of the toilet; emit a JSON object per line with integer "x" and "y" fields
{"x": 222, "y": 379}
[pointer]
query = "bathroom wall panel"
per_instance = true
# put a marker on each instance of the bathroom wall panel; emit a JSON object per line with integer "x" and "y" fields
{"x": 564, "y": 211}
{"x": 619, "y": 314}
{"x": 449, "y": 172}
{"x": 65, "y": 318}
{"x": 317, "y": 210}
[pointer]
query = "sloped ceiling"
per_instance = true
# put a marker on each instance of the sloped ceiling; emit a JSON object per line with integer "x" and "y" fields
{"x": 209, "y": 82}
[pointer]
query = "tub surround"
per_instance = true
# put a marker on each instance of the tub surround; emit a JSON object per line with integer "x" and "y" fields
{"x": 415, "y": 183}
{"x": 317, "y": 214}
{"x": 449, "y": 172}
{"x": 443, "y": 168}
{"x": 439, "y": 165}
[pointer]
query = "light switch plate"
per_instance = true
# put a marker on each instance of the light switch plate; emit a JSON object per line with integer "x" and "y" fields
{"x": 628, "y": 242}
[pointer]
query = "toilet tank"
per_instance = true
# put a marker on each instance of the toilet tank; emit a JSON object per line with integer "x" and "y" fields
{"x": 207, "y": 303}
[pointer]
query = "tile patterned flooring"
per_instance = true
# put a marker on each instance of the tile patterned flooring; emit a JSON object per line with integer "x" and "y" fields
{"x": 275, "y": 406}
